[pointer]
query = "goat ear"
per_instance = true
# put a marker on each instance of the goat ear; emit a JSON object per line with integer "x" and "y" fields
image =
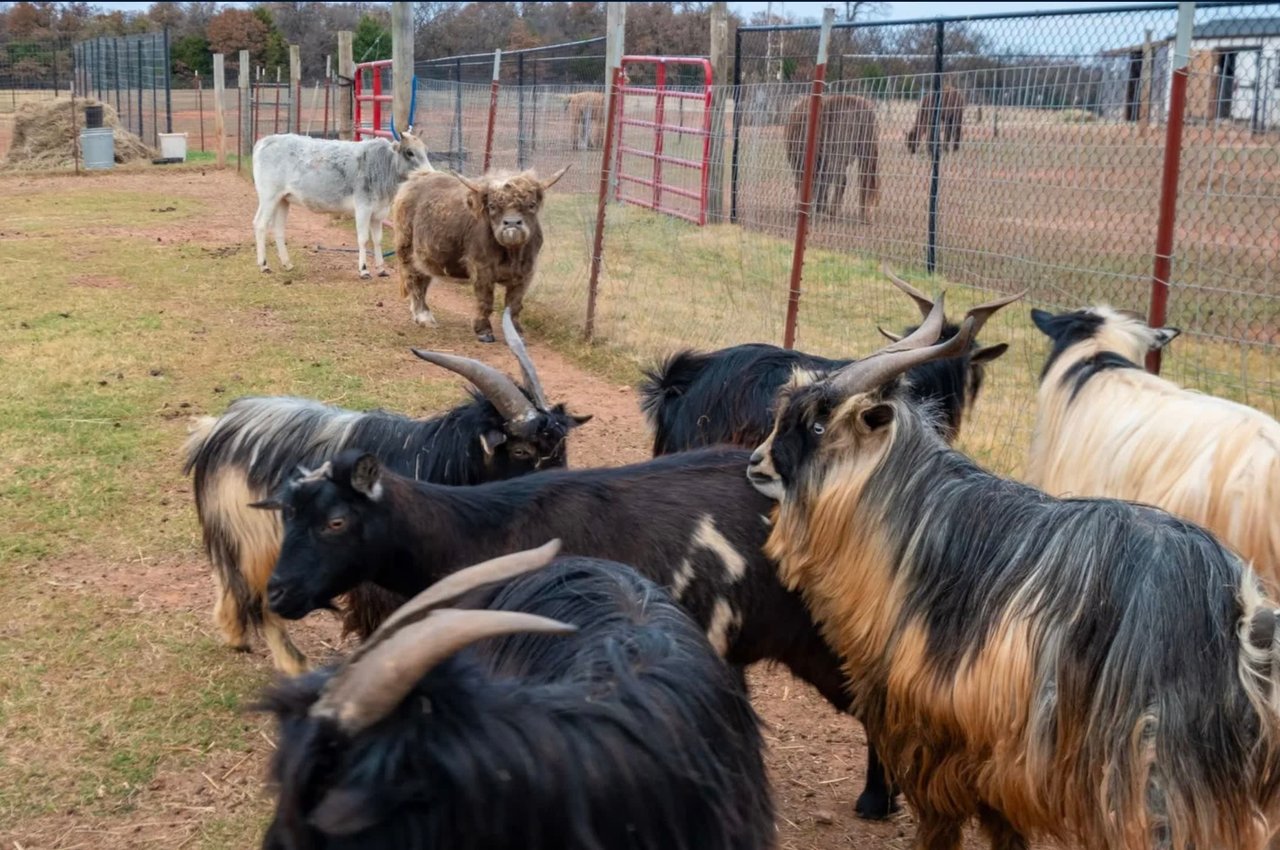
{"x": 580, "y": 419}
{"x": 1164, "y": 336}
{"x": 1043, "y": 320}
{"x": 991, "y": 352}
{"x": 366, "y": 477}
{"x": 346, "y": 811}
{"x": 877, "y": 416}
{"x": 490, "y": 440}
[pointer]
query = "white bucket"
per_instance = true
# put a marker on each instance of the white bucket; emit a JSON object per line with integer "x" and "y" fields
{"x": 173, "y": 146}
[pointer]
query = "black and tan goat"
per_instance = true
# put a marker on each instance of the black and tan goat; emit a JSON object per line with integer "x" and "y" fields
{"x": 698, "y": 399}
{"x": 690, "y": 522}
{"x": 573, "y": 707}
{"x": 1096, "y": 672}
{"x": 1107, "y": 427}
{"x": 244, "y": 455}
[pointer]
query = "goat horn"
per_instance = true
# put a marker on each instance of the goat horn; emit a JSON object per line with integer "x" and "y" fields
{"x": 362, "y": 694}
{"x": 452, "y": 586}
{"x": 982, "y": 312}
{"x": 892, "y": 337}
{"x": 497, "y": 387}
{"x": 924, "y": 302}
{"x": 887, "y": 363}
{"x": 516, "y": 344}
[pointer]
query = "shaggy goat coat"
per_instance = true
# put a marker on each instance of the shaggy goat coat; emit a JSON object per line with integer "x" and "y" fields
{"x": 1088, "y": 670}
{"x": 628, "y": 733}
{"x": 1106, "y": 427}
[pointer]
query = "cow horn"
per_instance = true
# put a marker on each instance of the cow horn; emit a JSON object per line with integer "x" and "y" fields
{"x": 554, "y": 178}
{"x": 473, "y": 185}
{"x": 516, "y": 344}
{"x": 892, "y": 337}
{"x": 889, "y": 362}
{"x": 376, "y": 677}
{"x": 982, "y": 312}
{"x": 497, "y": 387}
{"x": 924, "y": 302}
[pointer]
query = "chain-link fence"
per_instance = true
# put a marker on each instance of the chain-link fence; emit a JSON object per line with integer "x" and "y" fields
{"x": 132, "y": 73}
{"x": 31, "y": 69}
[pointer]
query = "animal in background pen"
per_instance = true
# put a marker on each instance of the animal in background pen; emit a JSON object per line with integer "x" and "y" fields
{"x": 331, "y": 176}
{"x": 1107, "y": 427}
{"x": 950, "y": 119}
{"x": 847, "y": 131}
{"x": 586, "y": 119}
{"x": 1095, "y": 672}
{"x": 483, "y": 230}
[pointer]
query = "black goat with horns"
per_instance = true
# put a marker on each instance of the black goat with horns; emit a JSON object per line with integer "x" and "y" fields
{"x": 578, "y": 709}
{"x": 698, "y": 399}
{"x": 247, "y": 453}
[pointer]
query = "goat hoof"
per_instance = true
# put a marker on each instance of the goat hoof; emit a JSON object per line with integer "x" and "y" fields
{"x": 383, "y": 273}
{"x": 425, "y": 319}
{"x": 875, "y": 806}
{"x": 287, "y": 267}
{"x": 364, "y": 274}
{"x": 264, "y": 269}
{"x": 485, "y": 337}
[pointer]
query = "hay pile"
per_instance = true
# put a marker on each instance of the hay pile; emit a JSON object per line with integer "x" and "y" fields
{"x": 42, "y": 135}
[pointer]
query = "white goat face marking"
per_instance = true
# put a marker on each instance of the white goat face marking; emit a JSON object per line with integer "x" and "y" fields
{"x": 723, "y": 619}
{"x": 683, "y": 577}
{"x": 709, "y": 537}
{"x": 325, "y": 471}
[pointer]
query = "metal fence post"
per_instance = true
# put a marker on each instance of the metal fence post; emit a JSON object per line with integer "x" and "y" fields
{"x": 806, "y": 182}
{"x": 520, "y": 110}
{"x": 141, "y": 134}
{"x": 493, "y": 110}
{"x": 602, "y": 198}
{"x": 935, "y": 151}
{"x": 168, "y": 89}
{"x": 1163, "y": 264}
{"x": 457, "y": 112}
{"x": 737, "y": 125}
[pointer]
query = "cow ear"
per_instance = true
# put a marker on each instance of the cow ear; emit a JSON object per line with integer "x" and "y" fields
{"x": 1043, "y": 320}
{"x": 366, "y": 477}
{"x": 476, "y": 201}
{"x": 877, "y": 416}
{"x": 490, "y": 440}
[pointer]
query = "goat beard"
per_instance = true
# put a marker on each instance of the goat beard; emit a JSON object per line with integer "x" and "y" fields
{"x": 511, "y": 237}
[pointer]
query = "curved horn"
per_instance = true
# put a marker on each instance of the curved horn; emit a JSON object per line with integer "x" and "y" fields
{"x": 516, "y": 344}
{"x": 473, "y": 185}
{"x": 452, "y": 586}
{"x": 982, "y": 312}
{"x": 554, "y": 178}
{"x": 924, "y": 302}
{"x": 892, "y": 337}
{"x": 362, "y": 694}
{"x": 889, "y": 362}
{"x": 497, "y": 387}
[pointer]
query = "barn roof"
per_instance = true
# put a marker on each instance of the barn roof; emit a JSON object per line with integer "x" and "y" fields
{"x": 1237, "y": 28}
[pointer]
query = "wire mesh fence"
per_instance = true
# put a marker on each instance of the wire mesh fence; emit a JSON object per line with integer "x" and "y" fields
{"x": 1051, "y": 143}
{"x": 32, "y": 69}
{"x": 570, "y": 63}
{"x": 132, "y": 73}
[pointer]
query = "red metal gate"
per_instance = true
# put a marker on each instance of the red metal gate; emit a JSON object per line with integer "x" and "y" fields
{"x": 651, "y": 147}
{"x": 370, "y": 123}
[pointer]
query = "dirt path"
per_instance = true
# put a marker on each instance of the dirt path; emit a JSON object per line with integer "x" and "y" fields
{"x": 816, "y": 756}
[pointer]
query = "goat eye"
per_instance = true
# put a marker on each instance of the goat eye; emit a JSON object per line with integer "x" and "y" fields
{"x": 336, "y": 523}
{"x": 819, "y": 428}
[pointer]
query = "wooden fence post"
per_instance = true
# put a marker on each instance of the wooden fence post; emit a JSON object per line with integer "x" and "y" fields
{"x": 346, "y": 91}
{"x": 720, "y": 58}
{"x": 219, "y": 107}
{"x": 295, "y": 89}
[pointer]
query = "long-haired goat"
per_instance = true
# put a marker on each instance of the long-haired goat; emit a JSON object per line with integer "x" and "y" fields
{"x": 1093, "y": 671}
{"x": 699, "y": 399}
{"x": 1106, "y": 427}
{"x": 578, "y": 709}
{"x": 244, "y": 455}
{"x": 689, "y": 522}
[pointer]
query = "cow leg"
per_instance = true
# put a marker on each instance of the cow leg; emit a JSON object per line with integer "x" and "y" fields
{"x": 375, "y": 225}
{"x": 482, "y": 325}
{"x": 417, "y": 285}
{"x": 261, "y": 221}
{"x": 363, "y": 217}
{"x": 282, "y": 217}
{"x": 958, "y": 129}
{"x": 937, "y": 832}
{"x": 836, "y": 190}
{"x": 515, "y": 303}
